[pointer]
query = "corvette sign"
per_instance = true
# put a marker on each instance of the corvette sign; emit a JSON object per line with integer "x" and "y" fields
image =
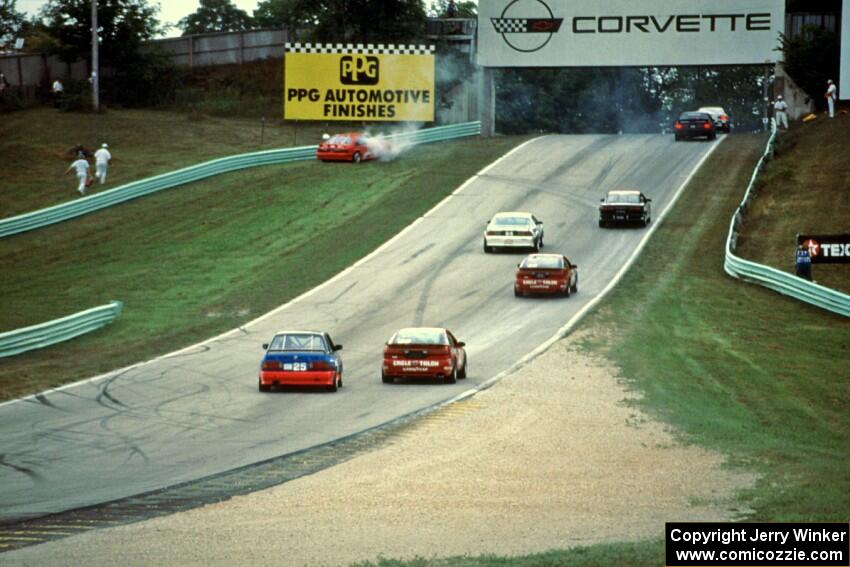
{"x": 579, "y": 33}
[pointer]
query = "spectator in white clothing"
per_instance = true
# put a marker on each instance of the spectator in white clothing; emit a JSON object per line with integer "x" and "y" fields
{"x": 58, "y": 90}
{"x": 780, "y": 111}
{"x": 831, "y": 95}
{"x": 101, "y": 160}
{"x": 82, "y": 168}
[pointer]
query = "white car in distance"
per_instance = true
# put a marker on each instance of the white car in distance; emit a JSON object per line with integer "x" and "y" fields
{"x": 513, "y": 230}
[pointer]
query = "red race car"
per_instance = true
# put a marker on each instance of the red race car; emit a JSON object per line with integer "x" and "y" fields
{"x": 424, "y": 352}
{"x": 546, "y": 273}
{"x": 352, "y": 146}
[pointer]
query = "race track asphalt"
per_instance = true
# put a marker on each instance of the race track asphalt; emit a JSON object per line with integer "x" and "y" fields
{"x": 198, "y": 412}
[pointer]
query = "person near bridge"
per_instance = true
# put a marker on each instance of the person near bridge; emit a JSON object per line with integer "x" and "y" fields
{"x": 831, "y": 95}
{"x": 803, "y": 262}
{"x": 780, "y": 112}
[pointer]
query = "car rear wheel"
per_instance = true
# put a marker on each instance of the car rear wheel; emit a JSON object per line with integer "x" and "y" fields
{"x": 601, "y": 223}
{"x": 517, "y": 292}
{"x": 356, "y": 157}
{"x": 337, "y": 383}
{"x": 678, "y": 138}
{"x": 265, "y": 388}
{"x": 487, "y": 249}
{"x": 567, "y": 291}
{"x": 575, "y": 286}
{"x": 462, "y": 374}
{"x": 536, "y": 245}
{"x": 452, "y": 378}
{"x": 386, "y": 379}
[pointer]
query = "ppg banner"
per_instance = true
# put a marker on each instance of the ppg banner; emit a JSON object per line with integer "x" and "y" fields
{"x": 590, "y": 33}
{"x": 359, "y": 82}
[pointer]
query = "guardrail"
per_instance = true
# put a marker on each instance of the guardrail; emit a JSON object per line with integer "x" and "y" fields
{"x": 777, "y": 280}
{"x": 58, "y": 330}
{"x": 98, "y": 201}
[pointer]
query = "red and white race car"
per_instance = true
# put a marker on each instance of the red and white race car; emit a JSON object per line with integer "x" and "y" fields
{"x": 546, "y": 274}
{"x": 424, "y": 352}
{"x": 301, "y": 358}
{"x": 351, "y": 146}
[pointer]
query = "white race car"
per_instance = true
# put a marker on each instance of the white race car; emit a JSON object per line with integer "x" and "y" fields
{"x": 513, "y": 230}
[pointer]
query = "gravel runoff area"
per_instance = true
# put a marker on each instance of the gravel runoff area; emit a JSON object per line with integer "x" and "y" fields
{"x": 552, "y": 456}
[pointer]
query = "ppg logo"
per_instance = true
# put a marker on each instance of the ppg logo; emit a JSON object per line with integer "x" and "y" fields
{"x": 358, "y": 70}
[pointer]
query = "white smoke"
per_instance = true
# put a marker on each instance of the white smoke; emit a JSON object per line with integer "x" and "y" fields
{"x": 387, "y": 147}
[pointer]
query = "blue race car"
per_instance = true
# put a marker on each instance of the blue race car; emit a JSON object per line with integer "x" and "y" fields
{"x": 301, "y": 358}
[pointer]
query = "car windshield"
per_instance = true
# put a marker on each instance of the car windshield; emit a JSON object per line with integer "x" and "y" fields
{"x": 543, "y": 262}
{"x": 420, "y": 337}
{"x": 340, "y": 140}
{"x": 298, "y": 341}
{"x": 623, "y": 198}
{"x": 512, "y": 221}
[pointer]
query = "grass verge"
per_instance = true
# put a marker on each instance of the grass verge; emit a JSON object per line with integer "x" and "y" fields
{"x": 142, "y": 142}
{"x": 649, "y": 553}
{"x": 195, "y": 261}
{"x": 803, "y": 191}
{"x": 732, "y": 366}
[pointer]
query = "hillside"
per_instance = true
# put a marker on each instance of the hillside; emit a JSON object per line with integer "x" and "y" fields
{"x": 803, "y": 191}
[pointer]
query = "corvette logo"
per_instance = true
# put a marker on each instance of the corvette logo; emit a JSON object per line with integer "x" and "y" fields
{"x": 527, "y": 25}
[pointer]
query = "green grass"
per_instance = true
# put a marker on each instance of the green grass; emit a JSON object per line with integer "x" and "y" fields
{"x": 804, "y": 190}
{"x": 733, "y": 366}
{"x": 143, "y": 143}
{"x": 648, "y": 553}
{"x": 195, "y": 261}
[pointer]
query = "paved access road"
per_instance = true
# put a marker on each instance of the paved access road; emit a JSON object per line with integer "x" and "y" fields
{"x": 199, "y": 412}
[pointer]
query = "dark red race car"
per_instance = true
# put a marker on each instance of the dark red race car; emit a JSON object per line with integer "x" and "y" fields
{"x": 546, "y": 274}
{"x": 424, "y": 352}
{"x": 695, "y": 125}
{"x": 351, "y": 146}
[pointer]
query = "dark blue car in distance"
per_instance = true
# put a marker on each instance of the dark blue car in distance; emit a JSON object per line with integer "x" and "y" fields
{"x": 695, "y": 125}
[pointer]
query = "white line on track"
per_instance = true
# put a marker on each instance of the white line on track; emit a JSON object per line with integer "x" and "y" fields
{"x": 301, "y": 297}
{"x": 569, "y": 325}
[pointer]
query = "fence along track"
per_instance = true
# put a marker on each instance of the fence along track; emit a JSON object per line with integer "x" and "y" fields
{"x": 85, "y": 205}
{"x": 771, "y": 278}
{"x": 58, "y": 330}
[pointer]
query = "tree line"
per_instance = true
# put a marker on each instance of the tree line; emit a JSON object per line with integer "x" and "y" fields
{"x": 559, "y": 100}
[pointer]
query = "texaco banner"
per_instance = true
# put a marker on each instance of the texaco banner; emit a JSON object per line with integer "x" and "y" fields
{"x": 827, "y": 248}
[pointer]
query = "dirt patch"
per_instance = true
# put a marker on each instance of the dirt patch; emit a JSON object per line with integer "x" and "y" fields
{"x": 553, "y": 456}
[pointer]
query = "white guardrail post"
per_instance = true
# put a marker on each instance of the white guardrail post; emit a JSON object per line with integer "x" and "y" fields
{"x": 771, "y": 278}
{"x": 92, "y": 203}
{"x": 58, "y": 330}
